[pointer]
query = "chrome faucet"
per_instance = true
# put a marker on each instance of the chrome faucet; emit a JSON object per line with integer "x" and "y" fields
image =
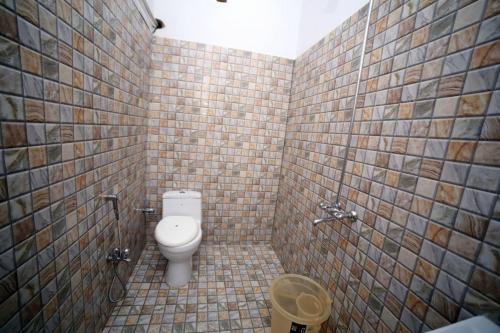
{"x": 324, "y": 219}
{"x": 118, "y": 255}
{"x": 335, "y": 212}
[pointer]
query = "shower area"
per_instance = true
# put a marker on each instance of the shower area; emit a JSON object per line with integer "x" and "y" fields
{"x": 393, "y": 114}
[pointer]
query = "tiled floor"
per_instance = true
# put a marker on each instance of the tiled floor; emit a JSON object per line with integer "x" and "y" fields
{"x": 228, "y": 293}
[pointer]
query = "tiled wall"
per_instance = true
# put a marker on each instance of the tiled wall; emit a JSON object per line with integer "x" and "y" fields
{"x": 423, "y": 171}
{"x": 73, "y": 125}
{"x": 217, "y": 122}
{"x": 324, "y": 83}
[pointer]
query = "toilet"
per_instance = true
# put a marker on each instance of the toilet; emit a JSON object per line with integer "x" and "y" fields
{"x": 178, "y": 234}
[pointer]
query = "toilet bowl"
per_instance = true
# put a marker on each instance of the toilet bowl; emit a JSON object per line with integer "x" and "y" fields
{"x": 178, "y": 239}
{"x": 179, "y": 234}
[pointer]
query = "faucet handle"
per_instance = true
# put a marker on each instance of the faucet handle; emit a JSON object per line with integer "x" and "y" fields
{"x": 323, "y": 205}
{"x": 326, "y": 206}
{"x": 125, "y": 255}
{"x": 331, "y": 209}
{"x": 335, "y": 213}
{"x": 329, "y": 205}
{"x": 114, "y": 255}
{"x": 353, "y": 216}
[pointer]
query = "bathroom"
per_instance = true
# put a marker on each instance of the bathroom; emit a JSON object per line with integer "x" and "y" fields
{"x": 163, "y": 162}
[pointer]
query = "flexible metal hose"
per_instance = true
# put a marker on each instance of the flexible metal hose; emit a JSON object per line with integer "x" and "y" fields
{"x": 124, "y": 287}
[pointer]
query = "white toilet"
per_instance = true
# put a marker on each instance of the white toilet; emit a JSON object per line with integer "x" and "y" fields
{"x": 179, "y": 234}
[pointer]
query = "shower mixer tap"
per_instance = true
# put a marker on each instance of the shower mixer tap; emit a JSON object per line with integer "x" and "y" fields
{"x": 335, "y": 212}
{"x": 115, "y": 257}
{"x": 118, "y": 255}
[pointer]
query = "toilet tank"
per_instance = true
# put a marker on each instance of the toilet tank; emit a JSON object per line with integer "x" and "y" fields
{"x": 182, "y": 203}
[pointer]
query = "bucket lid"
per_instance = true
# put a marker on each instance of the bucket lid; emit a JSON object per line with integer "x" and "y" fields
{"x": 300, "y": 299}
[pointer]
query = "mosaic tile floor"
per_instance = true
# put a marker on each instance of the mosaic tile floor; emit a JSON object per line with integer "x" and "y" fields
{"x": 228, "y": 293}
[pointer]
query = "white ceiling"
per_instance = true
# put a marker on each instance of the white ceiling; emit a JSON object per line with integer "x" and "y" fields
{"x": 283, "y": 28}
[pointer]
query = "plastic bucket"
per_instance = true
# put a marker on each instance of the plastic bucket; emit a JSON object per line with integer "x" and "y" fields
{"x": 299, "y": 304}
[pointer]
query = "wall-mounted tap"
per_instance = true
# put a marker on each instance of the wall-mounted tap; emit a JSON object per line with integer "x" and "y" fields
{"x": 114, "y": 200}
{"x": 145, "y": 210}
{"x": 118, "y": 255}
{"x": 324, "y": 219}
{"x": 335, "y": 212}
{"x": 115, "y": 257}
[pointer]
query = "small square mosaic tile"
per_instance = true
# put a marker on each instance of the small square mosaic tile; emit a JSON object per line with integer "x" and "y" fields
{"x": 217, "y": 120}
{"x": 422, "y": 169}
{"x": 228, "y": 292}
{"x": 83, "y": 111}
{"x": 73, "y": 109}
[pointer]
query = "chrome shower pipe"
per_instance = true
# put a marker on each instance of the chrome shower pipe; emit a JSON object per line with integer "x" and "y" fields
{"x": 349, "y": 134}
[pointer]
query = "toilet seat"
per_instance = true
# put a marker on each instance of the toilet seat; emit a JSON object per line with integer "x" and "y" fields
{"x": 174, "y": 231}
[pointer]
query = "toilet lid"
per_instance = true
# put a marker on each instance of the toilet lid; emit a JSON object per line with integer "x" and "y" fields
{"x": 176, "y": 230}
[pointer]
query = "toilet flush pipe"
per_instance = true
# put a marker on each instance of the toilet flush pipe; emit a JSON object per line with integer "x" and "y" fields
{"x": 349, "y": 134}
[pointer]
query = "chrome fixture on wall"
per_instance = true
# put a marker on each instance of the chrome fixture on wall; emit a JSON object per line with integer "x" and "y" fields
{"x": 117, "y": 254}
{"x": 145, "y": 211}
{"x": 358, "y": 82}
{"x": 115, "y": 257}
{"x": 114, "y": 200}
{"x": 335, "y": 213}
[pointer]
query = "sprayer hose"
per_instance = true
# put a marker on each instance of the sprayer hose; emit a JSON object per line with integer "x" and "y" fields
{"x": 124, "y": 287}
